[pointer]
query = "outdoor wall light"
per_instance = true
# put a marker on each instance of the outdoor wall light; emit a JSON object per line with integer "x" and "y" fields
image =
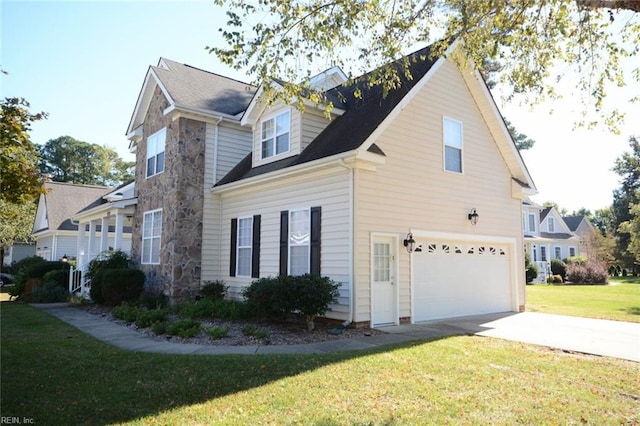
{"x": 409, "y": 243}
{"x": 473, "y": 217}
{"x": 65, "y": 259}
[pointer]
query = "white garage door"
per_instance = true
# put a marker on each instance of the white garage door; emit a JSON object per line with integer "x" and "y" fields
{"x": 456, "y": 278}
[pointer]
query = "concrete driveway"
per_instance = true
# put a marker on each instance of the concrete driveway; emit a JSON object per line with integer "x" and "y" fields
{"x": 616, "y": 339}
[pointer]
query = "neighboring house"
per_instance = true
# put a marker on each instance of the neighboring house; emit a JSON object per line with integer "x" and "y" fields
{"x": 113, "y": 211}
{"x": 586, "y": 232}
{"x": 411, "y": 201}
{"x": 18, "y": 251}
{"x": 64, "y": 206}
{"x": 548, "y": 235}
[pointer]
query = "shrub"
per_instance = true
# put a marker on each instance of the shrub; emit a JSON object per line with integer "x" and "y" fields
{"x": 555, "y": 279}
{"x": 154, "y": 301}
{"x": 49, "y": 292}
{"x": 77, "y": 300}
{"x": 218, "y": 332}
{"x": 147, "y": 317}
{"x": 268, "y": 298}
{"x": 127, "y": 312}
{"x": 215, "y": 290}
{"x": 159, "y": 327}
{"x": 558, "y": 267}
{"x": 96, "y": 286}
{"x": 578, "y": 260}
{"x": 121, "y": 285}
{"x": 184, "y": 328}
{"x": 307, "y": 294}
{"x": 252, "y": 330}
{"x": 57, "y": 277}
{"x": 24, "y": 264}
{"x": 20, "y": 270}
{"x": 222, "y": 309}
{"x": 203, "y": 308}
{"x": 589, "y": 273}
{"x": 531, "y": 270}
{"x": 107, "y": 260}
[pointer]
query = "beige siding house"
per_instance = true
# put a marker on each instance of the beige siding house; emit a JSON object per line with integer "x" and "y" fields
{"x": 412, "y": 202}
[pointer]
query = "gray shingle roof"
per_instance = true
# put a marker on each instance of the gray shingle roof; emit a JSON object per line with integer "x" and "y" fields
{"x": 65, "y": 199}
{"x": 573, "y": 222}
{"x": 193, "y": 87}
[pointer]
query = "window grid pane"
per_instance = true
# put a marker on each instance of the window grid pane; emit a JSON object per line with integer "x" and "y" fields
{"x": 299, "y": 240}
{"x": 453, "y": 159}
{"x": 151, "y": 233}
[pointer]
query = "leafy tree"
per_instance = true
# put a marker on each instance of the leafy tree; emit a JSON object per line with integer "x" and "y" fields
{"x": 20, "y": 182}
{"x": 522, "y": 141}
{"x": 66, "y": 159}
{"x": 534, "y": 41}
{"x": 561, "y": 210}
{"x": 627, "y": 166}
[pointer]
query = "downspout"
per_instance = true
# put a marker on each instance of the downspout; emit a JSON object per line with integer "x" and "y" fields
{"x": 352, "y": 297}
{"x": 216, "y": 139}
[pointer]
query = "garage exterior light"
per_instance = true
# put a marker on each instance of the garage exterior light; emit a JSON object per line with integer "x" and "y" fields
{"x": 409, "y": 243}
{"x": 473, "y": 217}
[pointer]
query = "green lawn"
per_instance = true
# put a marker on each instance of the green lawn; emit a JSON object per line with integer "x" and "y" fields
{"x": 620, "y": 300}
{"x": 54, "y": 374}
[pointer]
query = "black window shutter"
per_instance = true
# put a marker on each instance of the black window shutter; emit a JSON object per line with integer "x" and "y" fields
{"x": 316, "y": 214}
{"x": 284, "y": 241}
{"x": 234, "y": 245}
{"x": 255, "y": 249}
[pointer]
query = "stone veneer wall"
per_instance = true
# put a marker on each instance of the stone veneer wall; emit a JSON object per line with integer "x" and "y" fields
{"x": 178, "y": 192}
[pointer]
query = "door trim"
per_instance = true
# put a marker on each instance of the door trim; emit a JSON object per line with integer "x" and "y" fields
{"x": 395, "y": 270}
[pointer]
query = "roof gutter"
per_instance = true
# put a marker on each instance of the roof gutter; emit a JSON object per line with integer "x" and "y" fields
{"x": 351, "y": 158}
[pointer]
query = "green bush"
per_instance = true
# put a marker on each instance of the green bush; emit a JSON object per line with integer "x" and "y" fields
{"x": 49, "y": 292}
{"x": 215, "y": 290}
{"x": 531, "y": 270}
{"x": 589, "y": 273}
{"x": 555, "y": 279}
{"x": 23, "y": 264}
{"x": 218, "y": 332}
{"x": 35, "y": 270}
{"x": 121, "y": 285}
{"x": 268, "y": 298}
{"x": 57, "y": 277}
{"x": 107, "y": 260}
{"x": 127, "y": 312}
{"x": 184, "y": 328}
{"x": 154, "y": 301}
{"x": 147, "y": 317}
{"x": 96, "y": 286}
{"x": 307, "y": 294}
{"x": 221, "y": 309}
{"x": 311, "y": 296}
{"x": 160, "y": 327}
{"x": 558, "y": 267}
{"x": 576, "y": 260}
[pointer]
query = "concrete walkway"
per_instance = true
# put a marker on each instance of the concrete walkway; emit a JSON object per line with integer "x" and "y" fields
{"x": 599, "y": 337}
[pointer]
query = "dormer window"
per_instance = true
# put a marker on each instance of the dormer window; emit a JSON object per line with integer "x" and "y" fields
{"x": 275, "y": 135}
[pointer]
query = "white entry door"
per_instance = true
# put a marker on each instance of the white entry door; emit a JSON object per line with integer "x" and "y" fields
{"x": 383, "y": 282}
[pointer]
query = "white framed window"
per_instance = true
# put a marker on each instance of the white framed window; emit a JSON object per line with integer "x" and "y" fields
{"x": 532, "y": 222}
{"x": 151, "y": 236}
{"x": 299, "y": 241}
{"x": 572, "y": 251}
{"x": 244, "y": 248}
{"x": 535, "y": 253}
{"x": 557, "y": 252}
{"x": 452, "y": 136}
{"x": 155, "y": 152}
{"x": 543, "y": 253}
{"x": 275, "y": 135}
{"x": 552, "y": 225}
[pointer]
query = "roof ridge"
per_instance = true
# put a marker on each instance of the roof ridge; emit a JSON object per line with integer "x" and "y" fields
{"x": 202, "y": 70}
{"x": 83, "y": 185}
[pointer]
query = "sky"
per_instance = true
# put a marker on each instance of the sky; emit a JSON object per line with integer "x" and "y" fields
{"x": 84, "y": 62}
